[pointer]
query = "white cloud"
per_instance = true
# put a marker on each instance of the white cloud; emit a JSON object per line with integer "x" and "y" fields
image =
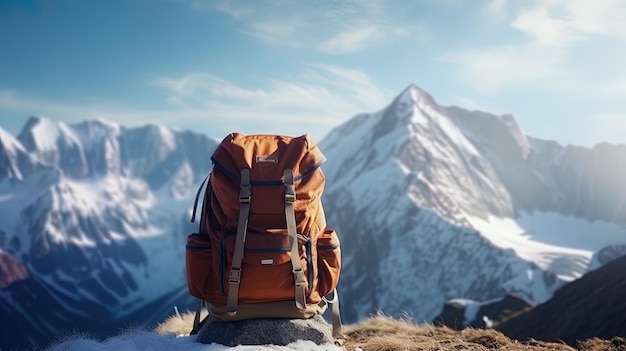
{"x": 319, "y": 99}
{"x": 277, "y": 33}
{"x": 12, "y": 102}
{"x": 15, "y": 102}
{"x": 610, "y": 127}
{"x": 496, "y": 10}
{"x": 601, "y": 17}
{"x": 354, "y": 82}
{"x": 360, "y": 38}
{"x": 354, "y": 39}
{"x": 494, "y": 69}
{"x": 545, "y": 29}
{"x": 564, "y": 19}
{"x": 552, "y": 30}
{"x": 617, "y": 88}
{"x": 326, "y": 26}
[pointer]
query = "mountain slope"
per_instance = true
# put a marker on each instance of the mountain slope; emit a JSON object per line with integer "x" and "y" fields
{"x": 421, "y": 200}
{"x": 98, "y": 215}
{"x": 592, "y": 306}
{"x": 543, "y": 175}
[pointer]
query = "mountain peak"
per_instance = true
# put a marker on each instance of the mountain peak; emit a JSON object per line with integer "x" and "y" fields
{"x": 416, "y": 96}
{"x": 42, "y": 134}
{"x": 99, "y": 126}
{"x": 10, "y": 151}
{"x": 164, "y": 136}
{"x": 35, "y": 120}
{"x": 8, "y": 141}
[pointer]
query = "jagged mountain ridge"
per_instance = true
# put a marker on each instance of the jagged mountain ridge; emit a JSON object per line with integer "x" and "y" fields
{"x": 572, "y": 180}
{"x": 410, "y": 190}
{"x": 98, "y": 214}
{"x": 398, "y": 193}
{"x": 418, "y": 192}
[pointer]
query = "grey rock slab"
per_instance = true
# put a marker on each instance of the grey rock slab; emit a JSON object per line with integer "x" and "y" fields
{"x": 266, "y": 332}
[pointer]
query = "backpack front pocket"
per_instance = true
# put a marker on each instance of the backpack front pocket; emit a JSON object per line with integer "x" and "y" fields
{"x": 266, "y": 268}
{"x": 198, "y": 265}
{"x": 328, "y": 261}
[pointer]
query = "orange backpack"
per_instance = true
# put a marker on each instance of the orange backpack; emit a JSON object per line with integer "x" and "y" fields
{"x": 263, "y": 249}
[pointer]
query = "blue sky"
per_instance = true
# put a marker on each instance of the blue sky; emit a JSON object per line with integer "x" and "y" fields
{"x": 295, "y": 67}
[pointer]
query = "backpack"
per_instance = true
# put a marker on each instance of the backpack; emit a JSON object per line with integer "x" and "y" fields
{"x": 262, "y": 249}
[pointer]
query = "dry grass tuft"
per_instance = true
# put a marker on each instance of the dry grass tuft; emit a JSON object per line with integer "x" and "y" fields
{"x": 596, "y": 344}
{"x": 381, "y": 333}
{"x": 178, "y": 324}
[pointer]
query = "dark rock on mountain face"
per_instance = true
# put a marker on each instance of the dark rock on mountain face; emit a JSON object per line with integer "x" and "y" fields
{"x": 452, "y": 316}
{"x": 453, "y": 313}
{"x": 592, "y": 306}
{"x": 500, "y": 310}
{"x": 606, "y": 255}
{"x": 10, "y": 270}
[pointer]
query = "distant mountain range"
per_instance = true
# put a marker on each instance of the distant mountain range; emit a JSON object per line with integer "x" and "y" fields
{"x": 98, "y": 215}
{"x": 431, "y": 203}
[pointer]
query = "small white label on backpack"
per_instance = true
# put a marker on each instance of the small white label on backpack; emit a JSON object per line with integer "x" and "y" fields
{"x": 266, "y": 159}
{"x": 268, "y": 261}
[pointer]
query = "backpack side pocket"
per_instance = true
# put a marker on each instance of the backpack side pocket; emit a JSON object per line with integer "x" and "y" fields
{"x": 328, "y": 261}
{"x": 198, "y": 265}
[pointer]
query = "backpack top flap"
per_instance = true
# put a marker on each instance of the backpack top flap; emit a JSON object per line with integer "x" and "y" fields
{"x": 267, "y": 156}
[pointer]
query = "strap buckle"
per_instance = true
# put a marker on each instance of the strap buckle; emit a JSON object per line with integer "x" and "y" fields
{"x": 235, "y": 276}
{"x": 299, "y": 277}
{"x": 290, "y": 191}
{"x": 245, "y": 194}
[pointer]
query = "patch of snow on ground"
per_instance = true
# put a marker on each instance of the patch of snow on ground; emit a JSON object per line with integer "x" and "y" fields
{"x": 555, "y": 242}
{"x": 145, "y": 341}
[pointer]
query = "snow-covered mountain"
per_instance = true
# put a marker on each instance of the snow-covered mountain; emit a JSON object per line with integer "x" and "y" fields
{"x": 434, "y": 203}
{"x": 431, "y": 203}
{"x": 98, "y": 213}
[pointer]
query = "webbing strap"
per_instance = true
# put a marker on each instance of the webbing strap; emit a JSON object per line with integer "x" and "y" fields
{"x": 196, "y": 318}
{"x": 197, "y": 324}
{"x": 336, "y": 317}
{"x": 195, "y": 202}
{"x": 290, "y": 216}
{"x": 240, "y": 240}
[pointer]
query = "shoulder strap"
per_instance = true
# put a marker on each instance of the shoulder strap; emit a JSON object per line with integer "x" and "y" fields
{"x": 290, "y": 216}
{"x": 240, "y": 240}
{"x": 195, "y": 203}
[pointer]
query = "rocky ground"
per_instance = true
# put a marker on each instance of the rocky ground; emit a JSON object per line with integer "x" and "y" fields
{"x": 381, "y": 333}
